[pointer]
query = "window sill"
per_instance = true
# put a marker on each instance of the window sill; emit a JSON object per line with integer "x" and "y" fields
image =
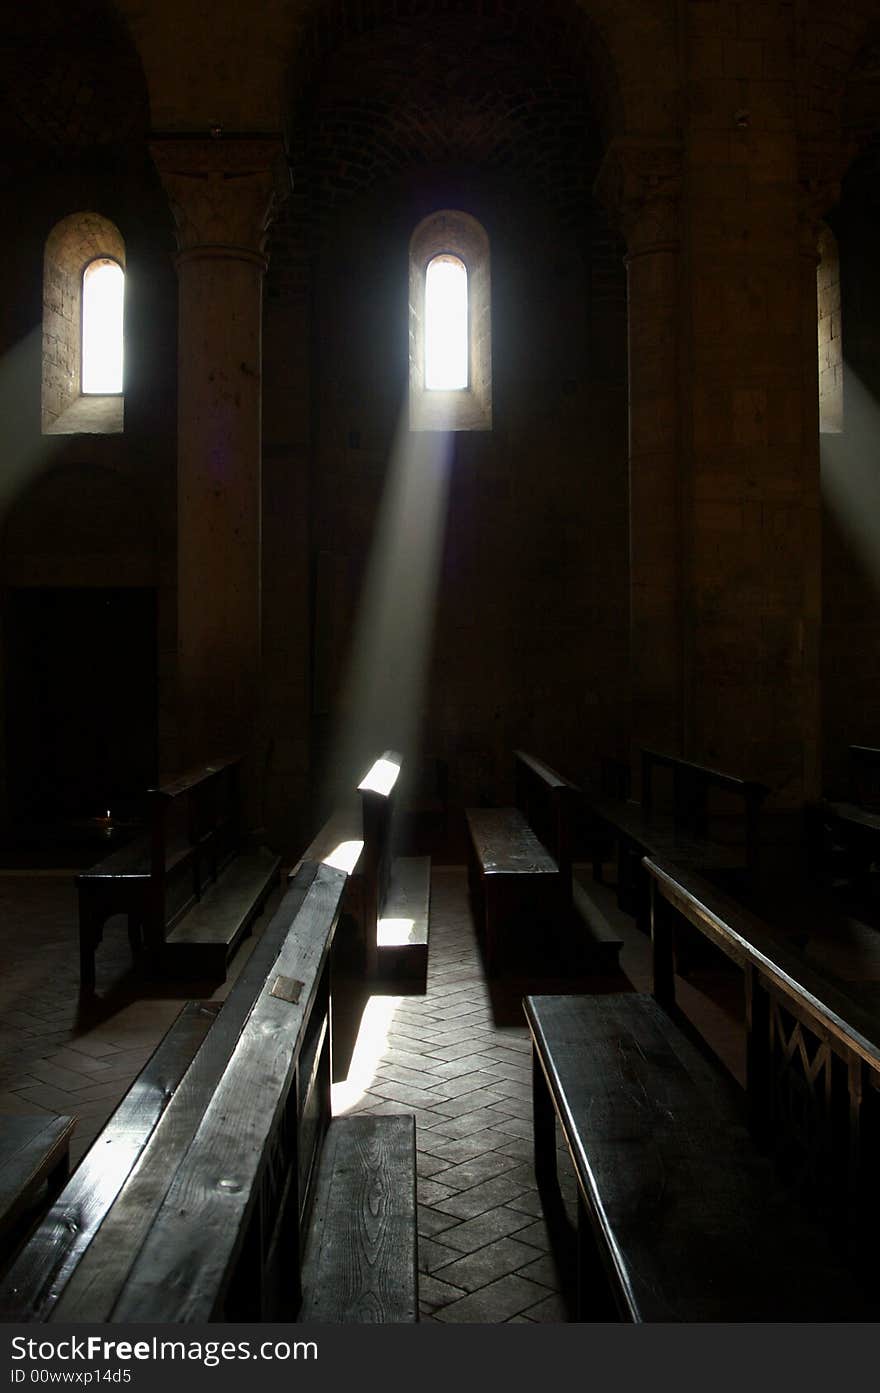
{"x": 90, "y": 416}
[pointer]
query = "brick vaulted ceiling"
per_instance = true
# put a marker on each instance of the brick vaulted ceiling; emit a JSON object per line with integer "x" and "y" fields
{"x": 511, "y": 89}
{"x": 71, "y": 80}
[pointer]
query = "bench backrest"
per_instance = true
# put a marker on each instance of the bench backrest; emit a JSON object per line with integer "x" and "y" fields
{"x": 208, "y": 1224}
{"x": 377, "y": 791}
{"x": 813, "y": 1052}
{"x": 195, "y": 832}
{"x": 549, "y": 802}
{"x": 692, "y": 787}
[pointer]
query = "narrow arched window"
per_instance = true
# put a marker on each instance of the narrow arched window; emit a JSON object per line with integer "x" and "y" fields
{"x": 103, "y": 291}
{"x": 450, "y": 324}
{"x": 446, "y": 324}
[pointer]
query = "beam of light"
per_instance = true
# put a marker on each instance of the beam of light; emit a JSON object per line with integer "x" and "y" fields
{"x": 102, "y": 314}
{"x": 370, "y": 1046}
{"x": 345, "y": 856}
{"x": 446, "y": 324}
{"x": 850, "y": 478}
{"x": 381, "y": 704}
{"x": 381, "y": 778}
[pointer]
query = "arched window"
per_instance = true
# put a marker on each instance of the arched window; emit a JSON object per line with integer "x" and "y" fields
{"x": 103, "y": 293}
{"x": 83, "y": 280}
{"x": 446, "y": 324}
{"x": 450, "y": 329}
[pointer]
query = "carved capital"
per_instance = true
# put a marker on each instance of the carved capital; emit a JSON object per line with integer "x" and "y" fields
{"x": 639, "y": 184}
{"x": 223, "y": 192}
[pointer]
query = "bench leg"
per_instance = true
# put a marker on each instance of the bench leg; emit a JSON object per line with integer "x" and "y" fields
{"x": 490, "y": 912}
{"x": 546, "y": 1173}
{"x": 594, "y": 1300}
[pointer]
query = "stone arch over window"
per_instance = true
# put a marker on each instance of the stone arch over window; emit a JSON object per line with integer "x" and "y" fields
{"x": 74, "y": 244}
{"x": 456, "y": 238}
{"x": 830, "y": 336}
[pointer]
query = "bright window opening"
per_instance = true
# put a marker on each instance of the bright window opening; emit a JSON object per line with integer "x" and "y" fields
{"x": 102, "y": 309}
{"x": 446, "y": 324}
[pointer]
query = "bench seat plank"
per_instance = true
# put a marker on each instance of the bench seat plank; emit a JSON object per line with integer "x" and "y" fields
{"x": 690, "y": 1220}
{"x": 361, "y": 1264}
{"x": 402, "y": 937}
{"x": 506, "y": 845}
{"x": 32, "y": 1149}
{"x": 207, "y": 936}
{"x": 99, "y": 1276}
{"x": 38, "y": 1275}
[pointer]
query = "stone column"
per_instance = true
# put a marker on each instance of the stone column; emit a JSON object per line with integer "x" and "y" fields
{"x": 221, "y": 193}
{"x": 640, "y": 184}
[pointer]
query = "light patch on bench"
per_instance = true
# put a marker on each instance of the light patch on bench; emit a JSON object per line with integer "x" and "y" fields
{"x": 381, "y": 778}
{"x": 370, "y": 1046}
{"x": 345, "y": 856}
{"x": 391, "y": 933}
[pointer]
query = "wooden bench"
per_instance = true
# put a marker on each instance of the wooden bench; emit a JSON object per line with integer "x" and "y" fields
{"x": 34, "y": 1164}
{"x": 687, "y": 830}
{"x": 515, "y": 883}
{"x": 552, "y": 805}
{"x": 209, "y": 1206}
{"x": 189, "y": 888}
{"x": 680, "y": 1217}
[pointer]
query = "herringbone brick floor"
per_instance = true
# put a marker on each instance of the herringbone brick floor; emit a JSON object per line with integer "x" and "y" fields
{"x": 458, "y": 1058}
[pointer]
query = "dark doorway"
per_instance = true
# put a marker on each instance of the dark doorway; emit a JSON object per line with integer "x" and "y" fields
{"x": 81, "y": 705}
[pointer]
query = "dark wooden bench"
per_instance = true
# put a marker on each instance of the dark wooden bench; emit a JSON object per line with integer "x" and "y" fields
{"x": 843, "y": 835}
{"x": 553, "y": 808}
{"x": 34, "y": 1165}
{"x": 189, "y": 888}
{"x": 680, "y": 1217}
{"x": 205, "y": 1213}
{"x": 686, "y": 827}
{"x": 515, "y": 883}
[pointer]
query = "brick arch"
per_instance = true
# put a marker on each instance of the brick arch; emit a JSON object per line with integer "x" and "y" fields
{"x": 525, "y": 93}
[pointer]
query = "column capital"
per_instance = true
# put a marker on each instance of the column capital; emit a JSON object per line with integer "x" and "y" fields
{"x": 639, "y": 183}
{"x": 223, "y": 192}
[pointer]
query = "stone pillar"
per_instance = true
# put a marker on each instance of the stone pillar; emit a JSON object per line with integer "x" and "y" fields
{"x": 221, "y": 193}
{"x": 640, "y": 184}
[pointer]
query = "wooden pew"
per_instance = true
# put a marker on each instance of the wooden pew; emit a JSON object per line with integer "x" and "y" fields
{"x": 843, "y": 835}
{"x": 553, "y": 807}
{"x": 189, "y": 888}
{"x": 698, "y": 1201}
{"x": 211, "y": 1221}
{"x": 687, "y": 830}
